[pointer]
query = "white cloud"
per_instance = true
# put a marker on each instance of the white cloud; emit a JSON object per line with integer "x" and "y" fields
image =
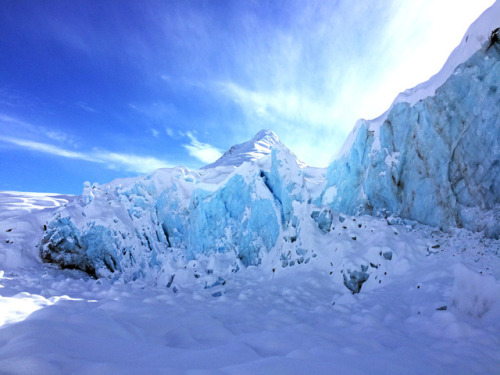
{"x": 59, "y": 137}
{"x": 48, "y": 149}
{"x": 155, "y": 133}
{"x": 86, "y": 107}
{"x": 169, "y": 132}
{"x": 9, "y": 120}
{"x": 202, "y": 151}
{"x": 113, "y": 160}
{"x": 310, "y": 77}
{"x": 288, "y": 105}
{"x": 11, "y": 126}
{"x": 130, "y": 162}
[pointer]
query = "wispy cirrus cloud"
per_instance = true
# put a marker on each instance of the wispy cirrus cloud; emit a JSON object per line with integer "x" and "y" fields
{"x": 47, "y": 148}
{"x": 130, "y": 162}
{"x": 112, "y": 160}
{"x": 170, "y": 132}
{"x": 12, "y": 121}
{"x": 12, "y": 127}
{"x": 204, "y": 152}
{"x": 311, "y": 75}
{"x": 276, "y": 103}
{"x": 86, "y": 107}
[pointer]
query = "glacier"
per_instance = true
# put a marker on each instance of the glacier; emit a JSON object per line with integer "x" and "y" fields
{"x": 432, "y": 158}
{"x": 259, "y": 263}
{"x": 139, "y": 226}
{"x": 436, "y": 162}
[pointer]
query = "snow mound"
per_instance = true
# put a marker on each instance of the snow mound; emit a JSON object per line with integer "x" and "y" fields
{"x": 149, "y": 226}
{"x": 474, "y": 294}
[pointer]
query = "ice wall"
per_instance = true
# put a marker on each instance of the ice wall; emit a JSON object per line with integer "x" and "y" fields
{"x": 139, "y": 226}
{"x": 437, "y": 161}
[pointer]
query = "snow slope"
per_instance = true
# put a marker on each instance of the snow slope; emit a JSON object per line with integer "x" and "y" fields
{"x": 476, "y": 36}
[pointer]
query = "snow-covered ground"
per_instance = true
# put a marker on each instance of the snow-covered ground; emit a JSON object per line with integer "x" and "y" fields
{"x": 265, "y": 319}
{"x": 22, "y": 216}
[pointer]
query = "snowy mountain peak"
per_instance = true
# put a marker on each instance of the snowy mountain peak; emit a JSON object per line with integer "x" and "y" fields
{"x": 265, "y": 135}
{"x": 259, "y": 146}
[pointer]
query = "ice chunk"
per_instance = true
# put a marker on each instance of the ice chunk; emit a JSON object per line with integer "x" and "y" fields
{"x": 355, "y": 280}
{"x": 324, "y": 219}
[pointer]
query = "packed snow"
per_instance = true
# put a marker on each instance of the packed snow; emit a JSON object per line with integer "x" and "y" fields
{"x": 386, "y": 262}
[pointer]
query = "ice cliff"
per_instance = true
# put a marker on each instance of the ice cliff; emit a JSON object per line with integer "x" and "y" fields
{"x": 436, "y": 159}
{"x": 173, "y": 216}
{"x": 433, "y": 157}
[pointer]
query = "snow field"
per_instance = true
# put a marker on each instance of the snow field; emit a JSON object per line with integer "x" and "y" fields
{"x": 269, "y": 318}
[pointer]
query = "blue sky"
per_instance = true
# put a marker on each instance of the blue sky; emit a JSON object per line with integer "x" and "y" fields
{"x": 94, "y": 90}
